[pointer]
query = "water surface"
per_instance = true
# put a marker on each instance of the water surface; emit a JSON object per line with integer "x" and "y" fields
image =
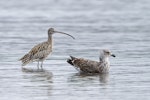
{"x": 120, "y": 25}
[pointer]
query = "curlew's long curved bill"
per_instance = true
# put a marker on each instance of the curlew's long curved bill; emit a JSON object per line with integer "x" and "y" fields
{"x": 64, "y": 33}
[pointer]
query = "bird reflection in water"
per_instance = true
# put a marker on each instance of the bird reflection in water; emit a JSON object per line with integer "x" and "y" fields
{"x": 89, "y": 77}
{"x": 104, "y": 78}
{"x": 39, "y": 73}
{"x": 39, "y": 80}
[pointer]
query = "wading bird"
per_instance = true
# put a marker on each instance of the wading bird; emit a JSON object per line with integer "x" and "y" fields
{"x": 40, "y": 51}
{"x": 89, "y": 66}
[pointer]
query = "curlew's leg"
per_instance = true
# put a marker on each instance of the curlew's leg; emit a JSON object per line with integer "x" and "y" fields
{"x": 38, "y": 65}
{"x": 41, "y": 64}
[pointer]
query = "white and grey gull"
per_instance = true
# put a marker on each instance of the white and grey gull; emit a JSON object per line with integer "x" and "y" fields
{"x": 89, "y": 66}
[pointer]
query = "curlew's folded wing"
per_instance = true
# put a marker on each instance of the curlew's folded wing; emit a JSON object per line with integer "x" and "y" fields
{"x": 40, "y": 50}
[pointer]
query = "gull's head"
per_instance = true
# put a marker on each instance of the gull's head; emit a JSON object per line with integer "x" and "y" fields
{"x": 106, "y": 53}
{"x": 52, "y": 31}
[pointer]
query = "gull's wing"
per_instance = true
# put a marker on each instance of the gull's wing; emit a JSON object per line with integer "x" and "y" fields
{"x": 84, "y": 65}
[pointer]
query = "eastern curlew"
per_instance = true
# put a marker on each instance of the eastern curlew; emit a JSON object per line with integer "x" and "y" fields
{"x": 40, "y": 51}
{"x": 89, "y": 66}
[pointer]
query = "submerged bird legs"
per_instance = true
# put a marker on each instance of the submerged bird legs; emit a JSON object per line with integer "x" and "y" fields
{"x": 38, "y": 64}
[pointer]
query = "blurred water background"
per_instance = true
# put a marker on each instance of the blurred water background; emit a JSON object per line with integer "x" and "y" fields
{"x": 123, "y": 26}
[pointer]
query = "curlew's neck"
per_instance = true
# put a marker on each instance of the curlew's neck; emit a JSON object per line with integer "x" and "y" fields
{"x": 50, "y": 38}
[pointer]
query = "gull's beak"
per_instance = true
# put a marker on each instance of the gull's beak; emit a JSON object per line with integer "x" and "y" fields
{"x": 113, "y": 55}
{"x": 64, "y": 33}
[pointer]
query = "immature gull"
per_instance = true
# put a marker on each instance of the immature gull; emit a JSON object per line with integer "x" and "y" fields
{"x": 89, "y": 66}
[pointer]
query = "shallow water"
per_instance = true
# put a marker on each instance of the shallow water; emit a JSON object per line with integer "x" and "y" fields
{"x": 120, "y": 25}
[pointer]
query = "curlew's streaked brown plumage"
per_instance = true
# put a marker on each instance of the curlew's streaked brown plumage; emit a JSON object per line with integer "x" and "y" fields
{"x": 89, "y": 66}
{"x": 40, "y": 51}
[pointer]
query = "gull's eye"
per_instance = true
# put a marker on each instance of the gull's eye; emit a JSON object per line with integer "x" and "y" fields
{"x": 107, "y": 52}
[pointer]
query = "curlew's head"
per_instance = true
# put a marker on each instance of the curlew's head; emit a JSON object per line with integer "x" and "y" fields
{"x": 104, "y": 54}
{"x": 52, "y": 31}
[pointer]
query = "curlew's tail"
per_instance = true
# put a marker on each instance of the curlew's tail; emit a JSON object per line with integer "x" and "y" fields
{"x": 25, "y": 59}
{"x": 71, "y": 60}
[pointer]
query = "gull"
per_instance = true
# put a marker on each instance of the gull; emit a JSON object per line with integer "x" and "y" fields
{"x": 89, "y": 66}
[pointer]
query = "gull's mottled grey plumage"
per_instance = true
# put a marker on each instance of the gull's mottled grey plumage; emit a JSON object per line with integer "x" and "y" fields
{"x": 40, "y": 51}
{"x": 89, "y": 66}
